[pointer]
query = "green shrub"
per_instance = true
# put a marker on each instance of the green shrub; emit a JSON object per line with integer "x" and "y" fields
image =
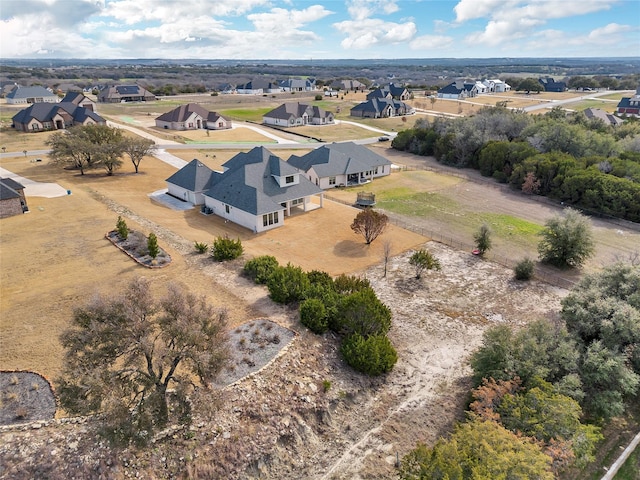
{"x": 259, "y": 269}
{"x": 326, "y": 385}
{"x": 313, "y": 315}
{"x": 225, "y": 248}
{"x": 121, "y": 227}
{"x": 318, "y": 97}
{"x": 201, "y": 247}
{"x": 288, "y": 284}
{"x": 372, "y": 356}
{"x": 363, "y": 313}
{"x": 524, "y": 269}
{"x": 323, "y": 279}
{"x": 350, "y": 284}
{"x": 152, "y": 245}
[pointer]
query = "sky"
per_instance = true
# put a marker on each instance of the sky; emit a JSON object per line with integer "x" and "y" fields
{"x": 318, "y": 29}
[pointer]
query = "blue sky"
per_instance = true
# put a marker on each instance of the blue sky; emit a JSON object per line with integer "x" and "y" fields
{"x": 318, "y": 29}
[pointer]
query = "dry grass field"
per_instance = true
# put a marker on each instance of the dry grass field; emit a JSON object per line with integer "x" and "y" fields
{"x": 56, "y": 257}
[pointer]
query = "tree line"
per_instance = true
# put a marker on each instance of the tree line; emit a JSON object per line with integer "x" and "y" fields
{"x": 570, "y": 158}
{"x": 97, "y": 146}
{"x": 543, "y": 393}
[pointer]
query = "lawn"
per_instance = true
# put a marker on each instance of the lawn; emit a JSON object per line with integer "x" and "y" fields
{"x": 246, "y": 114}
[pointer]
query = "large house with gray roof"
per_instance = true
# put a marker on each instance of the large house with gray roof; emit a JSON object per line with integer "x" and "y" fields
{"x": 629, "y": 105}
{"x": 192, "y": 117}
{"x": 458, "y": 90}
{"x": 57, "y": 116}
{"x": 341, "y": 164}
{"x": 390, "y": 91}
{"x": 125, "y": 94}
{"x": 36, "y": 94}
{"x": 295, "y": 114}
{"x": 381, "y": 108}
{"x": 258, "y": 86}
{"x": 298, "y": 85}
{"x": 256, "y": 189}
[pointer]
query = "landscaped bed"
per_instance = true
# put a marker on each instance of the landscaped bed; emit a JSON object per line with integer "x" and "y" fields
{"x": 26, "y": 397}
{"x": 135, "y": 246}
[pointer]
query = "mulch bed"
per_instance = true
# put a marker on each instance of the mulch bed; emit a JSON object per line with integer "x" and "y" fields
{"x": 135, "y": 246}
{"x": 26, "y": 397}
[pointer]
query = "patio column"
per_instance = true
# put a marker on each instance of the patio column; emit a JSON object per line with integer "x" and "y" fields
{"x": 321, "y": 199}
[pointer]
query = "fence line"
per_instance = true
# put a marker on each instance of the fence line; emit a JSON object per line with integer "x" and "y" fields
{"x": 449, "y": 240}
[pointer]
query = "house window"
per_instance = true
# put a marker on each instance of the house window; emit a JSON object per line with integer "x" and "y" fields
{"x": 297, "y": 201}
{"x": 288, "y": 179}
{"x": 332, "y": 180}
{"x": 269, "y": 219}
{"x": 226, "y": 208}
{"x": 376, "y": 171}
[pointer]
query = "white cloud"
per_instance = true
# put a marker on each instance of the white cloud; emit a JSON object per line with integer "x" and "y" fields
{"x": 509, "y": 20}
{"x": 280, "y": 18}
{"x": 135, "y": 11}
{"x": 431, "y": 42}
{"x": 363, "y": 9}
{"x": 373, "y": 32}
{"x": 609, "y": 32}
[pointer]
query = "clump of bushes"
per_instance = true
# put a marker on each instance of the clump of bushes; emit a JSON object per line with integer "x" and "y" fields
{"x": 225, "y": 248}
{"x": 524, "y": 269}
{"x": 373, "y": 355}
{"x": 347, "y": 305}
{"x": 288, "y": 284}
{"x": 259, "y": 269}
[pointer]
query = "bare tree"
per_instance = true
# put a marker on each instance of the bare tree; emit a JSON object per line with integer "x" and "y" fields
{"x": 386, "y": 255}
{"x": 370, "y": 224}
{"x": 124, "y": 354}
{"x": 137, "y": 148}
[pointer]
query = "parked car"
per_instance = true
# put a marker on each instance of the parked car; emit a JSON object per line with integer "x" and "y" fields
{"x": 383, "y": 139}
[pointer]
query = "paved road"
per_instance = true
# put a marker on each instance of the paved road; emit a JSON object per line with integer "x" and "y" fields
{"x": 556, "y": 103}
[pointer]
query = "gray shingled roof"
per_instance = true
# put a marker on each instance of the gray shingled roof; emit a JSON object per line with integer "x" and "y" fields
{"x": 338, "y": 159}
{"x": 30, "y": 92}
{"x": 182, "y": 113}
{"x": 44, "y": 112}
{"x": 249, "y": 185}
{"x": 9, "y": 188}
{"x": 290, "y": 110}
{"x": 195, "y": 176}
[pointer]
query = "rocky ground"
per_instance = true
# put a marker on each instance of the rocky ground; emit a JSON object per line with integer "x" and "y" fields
{"x": 306, "y": 414}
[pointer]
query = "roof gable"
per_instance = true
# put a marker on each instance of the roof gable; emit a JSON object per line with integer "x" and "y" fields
{"x": 195, "y": 176}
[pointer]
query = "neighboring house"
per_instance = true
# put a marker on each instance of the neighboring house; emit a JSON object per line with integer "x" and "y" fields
{"x": 68, "y": 87}
{"x": 258, "y": 87}
{"x": 458, "y": 90}
{"x": 298, "y": 85}
{"x": 381, "y": 108}
{"x": 390, "y": 91}
{"x": 629, "y": 105}
{"x": 190, "y": 182}
{"x": 227, "y": 88}
{"x": 124, "y": 94}
{"x": 354, "y": 85}
{"x": 192, "y": 117}
{"x": 294, "y": 114}
{"x": 12, "y": 199}
{"x": 607, "y": 118}
{"x": 257, "y": 190}
{"x": 48, "y": 116}
{"x": 23, "y": 95}
{"x": 339, "y": 164}
{"x": 550, "y": 85}
{"x": 496, "y": 86}
{"x": 80, "y": 100}
{"x": 481, "y": 88}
